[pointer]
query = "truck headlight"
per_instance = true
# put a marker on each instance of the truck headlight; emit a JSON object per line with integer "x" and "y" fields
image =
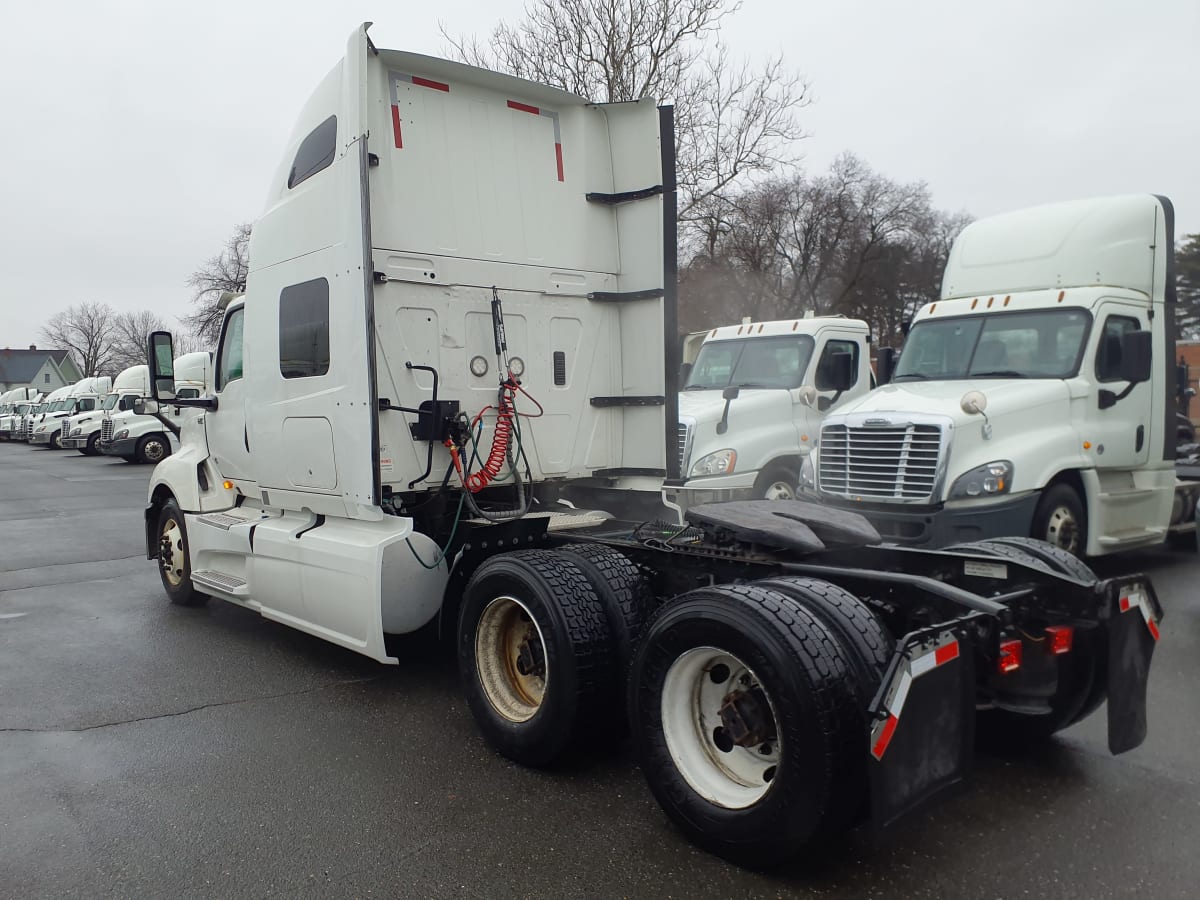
{"x": 41, "y": 428}
{"x": 990, "y": 478}
{"x": 808, "y": 472}
{"x": 121, "y": 435}
{"x": 719, "y": 463}
{"x": 75, "y": 431}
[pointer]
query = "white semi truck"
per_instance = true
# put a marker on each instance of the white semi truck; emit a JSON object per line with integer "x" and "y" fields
{"x": 83, "y": 396}
{"x": 143, "y": 438}
{"x": 752, "y": 402}
{"x": 83, "y": 430}
{"x": 53, "y": 405}
{"x": 1035, "y": 397}
{"x": 14, "y": 405}
{"x": 443, "y": 400}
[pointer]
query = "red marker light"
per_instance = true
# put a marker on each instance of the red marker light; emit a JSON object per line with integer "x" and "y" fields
{"x": 1010, "y": 657}
{"x": 1059, "y": 639}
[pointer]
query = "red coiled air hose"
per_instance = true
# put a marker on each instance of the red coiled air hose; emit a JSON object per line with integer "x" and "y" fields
{"x": 477, "y": 481}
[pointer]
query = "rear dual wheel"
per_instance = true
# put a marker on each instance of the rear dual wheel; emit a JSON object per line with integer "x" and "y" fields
{"x": 543, "y": 643}
{"x": 748, "y": 721}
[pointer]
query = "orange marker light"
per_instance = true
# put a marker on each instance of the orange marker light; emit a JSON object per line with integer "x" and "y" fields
{"x": 974, "y": 303}
{"x": 228, "y": 485}
{"x": 1061, "y": 294}
{"x": 1006, "y": 299}
{"x": 804, "y": 437}
{"x": 932, "y": 307}
{"x": 991, "y": 300}
{"x": 1087, "y": 445}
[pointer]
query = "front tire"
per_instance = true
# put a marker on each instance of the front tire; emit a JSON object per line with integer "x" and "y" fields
{"x": 153, "y": 449}
{"x": 56, "y": 440}
{"x": 1060, "y": 519}
{"x": 776, "y": 482}
{"x": 535, "y": 655}
{"x": 746, "y": 723}
{"x": 174, "y": 557}
{"x": 92, "y": 449}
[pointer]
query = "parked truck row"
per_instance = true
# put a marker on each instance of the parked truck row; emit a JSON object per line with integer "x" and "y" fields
{"x": 96, "y": 416}
{"x": 447, "y": 402}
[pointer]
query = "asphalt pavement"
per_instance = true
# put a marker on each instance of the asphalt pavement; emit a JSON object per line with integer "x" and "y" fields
{"x": 148, "y": 750}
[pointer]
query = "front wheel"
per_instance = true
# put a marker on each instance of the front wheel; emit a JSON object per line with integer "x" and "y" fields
{"x": 777, "y": 482}
{"x": 1060, "y": 519}
{"x": 56, "y": 441}
{"x": 746, "y": 723}
{"x": 174, "y": 557}
{"x": 153, "y": 448}
{"x": 92, "y": 448}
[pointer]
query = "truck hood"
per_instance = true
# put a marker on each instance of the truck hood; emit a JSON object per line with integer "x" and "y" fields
{"x": 706, "y": 407}
{"x": 1005, "y": 396}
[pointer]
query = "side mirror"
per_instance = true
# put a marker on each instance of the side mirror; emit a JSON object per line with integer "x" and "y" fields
{"x": 1135, "y": 356}
{"x": 144, "y": 407}
{"x": 728, "y": 395}
{"x": 685, "y": 371}
{"x": 731, "y": 392}
{"x": 885, "y": 365}
{"x": 808, "y": 395}
{"x": 905, "y": 326}
{"x": 160, "y": 355}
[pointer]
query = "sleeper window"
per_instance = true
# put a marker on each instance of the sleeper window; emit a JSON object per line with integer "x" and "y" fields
{"x": 315, "y": 153}
{"x": 304, "y": 329}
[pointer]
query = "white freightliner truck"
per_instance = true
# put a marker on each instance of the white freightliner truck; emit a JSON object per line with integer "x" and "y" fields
{"x": 53, "y": 405}
{"x": 83, "y": 396}
{"x": 443, "y": 399}
{"x": 143, "y": 438}
{"x": 14, "y": 405}
{"x": 751, "y": 404}
{"x": 1034, "y": 398}
{"x": 83, "y": 431}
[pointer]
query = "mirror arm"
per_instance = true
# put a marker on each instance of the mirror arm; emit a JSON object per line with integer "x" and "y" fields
{"x": 170, "y": 426}
{"x": 1109, "y": 399}
{"x": 723, "y": 425}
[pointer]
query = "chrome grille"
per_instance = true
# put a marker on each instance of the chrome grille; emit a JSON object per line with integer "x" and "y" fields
{"x": 685, "y": 448}
{"x": 106, "y": 430}
{"x": 889, "y": 462}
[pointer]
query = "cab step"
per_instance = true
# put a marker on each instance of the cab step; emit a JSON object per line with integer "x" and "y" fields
{"x": 211, "y": 580}
{"x": 229, "y": 518}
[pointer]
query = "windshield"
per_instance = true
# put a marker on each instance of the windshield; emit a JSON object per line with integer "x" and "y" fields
{"x": 109, "y": 401}
{"x": 1044, "y": 344}
{"x": 22, "y": 408}
{"x": 760, "y": 362}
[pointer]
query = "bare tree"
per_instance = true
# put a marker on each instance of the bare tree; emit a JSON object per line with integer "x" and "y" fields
{"x": 224, "y": 272}
{"x": 732, "y": 121}
{"x": 87, "y": 332}
{"x": 130, "y": 331}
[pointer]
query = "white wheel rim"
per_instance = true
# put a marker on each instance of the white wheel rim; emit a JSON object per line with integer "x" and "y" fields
{"x": 1062, "y": 530}
{"x": 507, "y": 639}
{"x": 153, "y": 451}
{"x": 780, "y": 490}
{"x": 171, "y": 554}
{"x": 723, "y": 773}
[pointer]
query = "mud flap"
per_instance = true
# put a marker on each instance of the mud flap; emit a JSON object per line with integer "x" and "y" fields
{"x": 1134, "y": 614}
{"x": 923, "y": 733}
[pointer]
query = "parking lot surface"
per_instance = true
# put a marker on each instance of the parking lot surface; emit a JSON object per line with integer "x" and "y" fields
{"x": 151, "y": 750}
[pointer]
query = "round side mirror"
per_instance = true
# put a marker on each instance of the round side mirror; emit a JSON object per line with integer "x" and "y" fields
{"x": 808, "y": 395}
{"x": 973, "y": 403}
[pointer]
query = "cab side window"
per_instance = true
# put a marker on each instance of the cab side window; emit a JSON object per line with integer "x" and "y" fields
{"x": 1108, "y": 351}
{"x": 823, "y": 381}
{"x": 229, "y": 361}
{"x": 126, "y": 402}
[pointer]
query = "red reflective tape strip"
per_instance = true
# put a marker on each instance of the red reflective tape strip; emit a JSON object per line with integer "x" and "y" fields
{"x": 1153, "y": 626}
{"x": 430, "y": 83}
{"x": 524, "y": 107}
{"x": 1124, "y": 604}
{"x": 885, "y": 737}
{"x": 558, "y": 158}
{"x": 396, "y": 127}
{"x": 945, "y": 654}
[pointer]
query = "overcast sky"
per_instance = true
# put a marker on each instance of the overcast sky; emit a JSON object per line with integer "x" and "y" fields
{"x": 137, "y": 134}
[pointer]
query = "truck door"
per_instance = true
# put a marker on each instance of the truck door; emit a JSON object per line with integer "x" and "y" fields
{"x": 228, "y": 438}
{"x": 1120, "y": 434}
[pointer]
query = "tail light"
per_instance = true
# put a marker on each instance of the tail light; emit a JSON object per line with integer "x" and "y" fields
{"x": 1059, "y": 639}
{"x": 1010, "y": 657}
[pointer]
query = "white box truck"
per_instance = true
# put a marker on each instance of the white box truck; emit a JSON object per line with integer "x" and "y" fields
{"x": 143, "y": 438}
{"x": 1035, "y": 397}
{"x": 443, "y": 400}
{"x": 752, "y": 402}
